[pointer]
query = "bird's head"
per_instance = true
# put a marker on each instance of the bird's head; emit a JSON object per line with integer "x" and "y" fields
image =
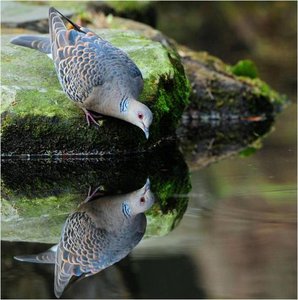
{"x": 141, "y": 116}
{"x": 142, "y": 199}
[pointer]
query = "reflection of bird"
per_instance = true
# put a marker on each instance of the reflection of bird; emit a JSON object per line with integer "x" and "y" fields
{"x": 96, "y": 75}
{"x": 100, "y": 233}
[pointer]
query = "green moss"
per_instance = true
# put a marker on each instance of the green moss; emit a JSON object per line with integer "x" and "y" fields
{"x": 159, "y": 224}
{"x": 265, "y": 90}
{"x": 37, "y": 219}
{"x": 245, "y": 68}
{"x": 125, "y": 6}
{"x": 247, "y": 151}
{"x": 76, "y": 6}
{"x": 28, "y": 208}
{"x": 52, "y": 104}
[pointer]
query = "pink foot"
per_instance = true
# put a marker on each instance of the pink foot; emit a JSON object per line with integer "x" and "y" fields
{"x": 92, "y": 195}
{"x": 89, "y": 117}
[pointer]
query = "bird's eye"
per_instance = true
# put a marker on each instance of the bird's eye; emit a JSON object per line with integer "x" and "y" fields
{"x": 142, "y": 200}
{"x": 140, "y": 116}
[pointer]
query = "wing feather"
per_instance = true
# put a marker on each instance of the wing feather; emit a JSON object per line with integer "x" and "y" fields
{"x": 84, "y": 61}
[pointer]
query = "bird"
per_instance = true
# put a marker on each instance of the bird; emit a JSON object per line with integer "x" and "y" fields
{"x": 99, "y": 233}
{"x": 97, "y": 76}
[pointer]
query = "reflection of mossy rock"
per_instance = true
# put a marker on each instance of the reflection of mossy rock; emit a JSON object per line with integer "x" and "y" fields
{"x": 38, "y": 196}
{"x": 37, "y": 117}
{"x": 205, "y": 143}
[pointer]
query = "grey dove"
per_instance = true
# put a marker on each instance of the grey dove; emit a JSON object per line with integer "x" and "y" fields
{"x": 97, "y": 76}
{"x": 100, "y": 233}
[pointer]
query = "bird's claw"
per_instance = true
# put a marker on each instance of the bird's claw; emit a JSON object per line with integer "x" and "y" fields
{"x": 89, "y": 117}
{"x": 91, "y": 195}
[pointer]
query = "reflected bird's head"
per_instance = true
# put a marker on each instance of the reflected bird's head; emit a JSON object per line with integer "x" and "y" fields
{"x": 142, "y": 199}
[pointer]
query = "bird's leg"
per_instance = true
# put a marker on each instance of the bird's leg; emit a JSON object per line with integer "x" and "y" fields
{"x": 91, "y": 195}
{"x": 89, "y": 116}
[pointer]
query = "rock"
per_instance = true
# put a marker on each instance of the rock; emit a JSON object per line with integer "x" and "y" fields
{"x": 141, "y": 11}
{"x": 38, "y": 118}
{"x": 27, "y": 15}
{"x": 38, "y": 195}
{"x": 221, "y": 91}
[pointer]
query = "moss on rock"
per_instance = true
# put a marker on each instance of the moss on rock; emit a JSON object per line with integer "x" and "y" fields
{"x": 220, "y": 91}
{"x": 38, "y": 118}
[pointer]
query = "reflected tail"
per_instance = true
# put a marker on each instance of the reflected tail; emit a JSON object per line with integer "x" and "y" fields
{"x": 47, "y": 257}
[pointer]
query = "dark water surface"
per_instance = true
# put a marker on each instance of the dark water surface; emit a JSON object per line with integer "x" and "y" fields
{"x": 237, "y": 238}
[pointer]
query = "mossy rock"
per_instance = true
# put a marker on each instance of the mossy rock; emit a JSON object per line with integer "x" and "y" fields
{"x": 224, "y": 92}
{"x": 38, "y": 196}
{"x": 141, "y": 11}
{"x": 38, "y": 118}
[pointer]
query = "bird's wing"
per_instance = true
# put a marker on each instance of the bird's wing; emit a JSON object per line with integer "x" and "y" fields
{"x": 76, "y": 57}
{"x": 79, "y": 250}
{"x": 64, "y": 270}
{"x": 126, "y": 238}
{"x": 83, "y": 60}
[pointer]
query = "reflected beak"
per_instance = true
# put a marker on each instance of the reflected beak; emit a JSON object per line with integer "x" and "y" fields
{"x": 147, "y": 185}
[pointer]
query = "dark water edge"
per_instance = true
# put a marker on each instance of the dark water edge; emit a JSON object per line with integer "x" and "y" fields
{"x": 146, "y": 277}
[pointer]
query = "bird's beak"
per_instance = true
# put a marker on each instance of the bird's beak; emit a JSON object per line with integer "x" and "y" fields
{"x": 146, "y": 131}
{"x": 147, "y": 185}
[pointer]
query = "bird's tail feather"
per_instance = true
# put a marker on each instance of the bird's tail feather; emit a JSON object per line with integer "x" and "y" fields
{"x": 53, "y": 12}
{"x": 39, "y": 43}
{"x": 47, "y": 257}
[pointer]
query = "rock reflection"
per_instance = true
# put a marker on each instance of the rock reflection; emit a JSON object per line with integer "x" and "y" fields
{"x": 38, "y": 195}
{"x": 98, "y": 234}
{"x": 205, "y": 142}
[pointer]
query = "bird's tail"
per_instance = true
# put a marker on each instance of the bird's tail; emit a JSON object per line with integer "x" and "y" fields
{"x": 47, "y": 257}
{"x": 39, "y": 43}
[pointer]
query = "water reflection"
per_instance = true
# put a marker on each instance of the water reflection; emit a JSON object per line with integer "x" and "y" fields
{"x": 98, "y": 234}
{"x": 203, "y": 143}
{"x": 38, "y": 195}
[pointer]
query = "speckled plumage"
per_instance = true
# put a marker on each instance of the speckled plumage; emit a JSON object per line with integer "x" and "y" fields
{"x": 83, "y": 61}
{"x": 92, "y": 72}
{"x": 100, "y": 233}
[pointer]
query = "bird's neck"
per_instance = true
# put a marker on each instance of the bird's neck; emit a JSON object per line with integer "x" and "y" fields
{"x": 122, "y": 109}
{"x": 119, "y": 108}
